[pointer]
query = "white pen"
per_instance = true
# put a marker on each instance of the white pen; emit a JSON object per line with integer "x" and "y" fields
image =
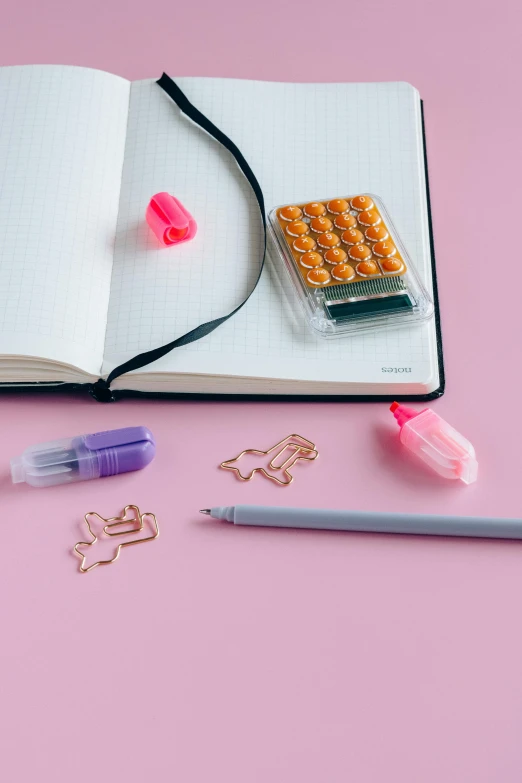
{"x": 368, "y": 521}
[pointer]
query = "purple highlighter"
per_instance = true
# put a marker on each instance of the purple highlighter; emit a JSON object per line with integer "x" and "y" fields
{"x": 84, "y": 457}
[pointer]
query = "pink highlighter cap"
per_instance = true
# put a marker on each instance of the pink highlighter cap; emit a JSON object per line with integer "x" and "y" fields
{"x": 440, "y": 446}
{"x": 170, "y": 221}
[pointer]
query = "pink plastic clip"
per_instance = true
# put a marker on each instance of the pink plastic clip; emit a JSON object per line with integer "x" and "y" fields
{"x": 169, "y": 219}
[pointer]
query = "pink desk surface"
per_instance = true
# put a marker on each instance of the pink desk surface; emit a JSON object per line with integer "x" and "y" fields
{"x": 249, "y": 656}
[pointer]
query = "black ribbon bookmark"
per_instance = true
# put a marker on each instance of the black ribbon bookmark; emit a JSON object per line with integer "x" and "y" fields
{"x": 101, "y": 390}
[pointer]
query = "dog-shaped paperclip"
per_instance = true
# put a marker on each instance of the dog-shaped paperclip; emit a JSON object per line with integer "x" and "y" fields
{"x": 296, "y": 447}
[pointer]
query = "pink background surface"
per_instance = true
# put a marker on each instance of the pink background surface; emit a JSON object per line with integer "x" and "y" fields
{"x": 243, "y": 655}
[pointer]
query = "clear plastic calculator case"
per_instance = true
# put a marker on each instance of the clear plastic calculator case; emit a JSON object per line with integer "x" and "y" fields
{"x": 348, "y": 265}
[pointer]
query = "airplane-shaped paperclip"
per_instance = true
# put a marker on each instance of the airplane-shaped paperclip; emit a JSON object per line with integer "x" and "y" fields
{"x": 130, "y": 516}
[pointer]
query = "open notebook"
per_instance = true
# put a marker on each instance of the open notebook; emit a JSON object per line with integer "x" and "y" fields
{"x": 84, "y": 285}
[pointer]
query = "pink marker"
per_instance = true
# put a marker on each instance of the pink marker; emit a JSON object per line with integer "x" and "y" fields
{"x": 432, "y": 439}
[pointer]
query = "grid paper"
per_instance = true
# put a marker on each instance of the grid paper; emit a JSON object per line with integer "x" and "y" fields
{"x": 303, "y": 142}
{"x": 62, "y": 138}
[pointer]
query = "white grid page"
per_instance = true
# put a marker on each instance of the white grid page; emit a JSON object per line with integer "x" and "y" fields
{"x": 62, "y": 138}
{"x": 303, "y": 142}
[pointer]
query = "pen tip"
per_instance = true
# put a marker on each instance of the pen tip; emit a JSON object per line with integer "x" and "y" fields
{"x": 204, "y": 511}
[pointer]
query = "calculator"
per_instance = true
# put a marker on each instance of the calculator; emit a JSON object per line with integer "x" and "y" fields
{"x": 348, "y": 265}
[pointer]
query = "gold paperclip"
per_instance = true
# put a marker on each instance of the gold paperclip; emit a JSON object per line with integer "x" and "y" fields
{"x": 117, "y": 522}
{"x": 305, "y": 452}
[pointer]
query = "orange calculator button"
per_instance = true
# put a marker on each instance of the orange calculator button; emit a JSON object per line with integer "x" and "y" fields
{"x": 343, "y": 272}
{"x": 369, "y": 217}
{"x": 376, "y": 233}
{"x": 352, "y": 237}
{"x": 290, "y": 213}
{"x": 366, "y": 268}
{"x": 345, "y": 221}
{"x": 314, "y": 209}
{"x": 335, "y": 255}
{"x": 337, "y": 205}
{"x": 384, "y": 249}
{"x": 297, "y": 228}
{"x": 391, "y": 264}
{"x": 359, "y": 252}
{"x": 318, "y": 276}
{"x": 311, "y": 260}
{"x": 328, "y": 240}
{"x": 304, "y": 243}
{"x": 361, "y": 202}
{"x": 321, "y": 224}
